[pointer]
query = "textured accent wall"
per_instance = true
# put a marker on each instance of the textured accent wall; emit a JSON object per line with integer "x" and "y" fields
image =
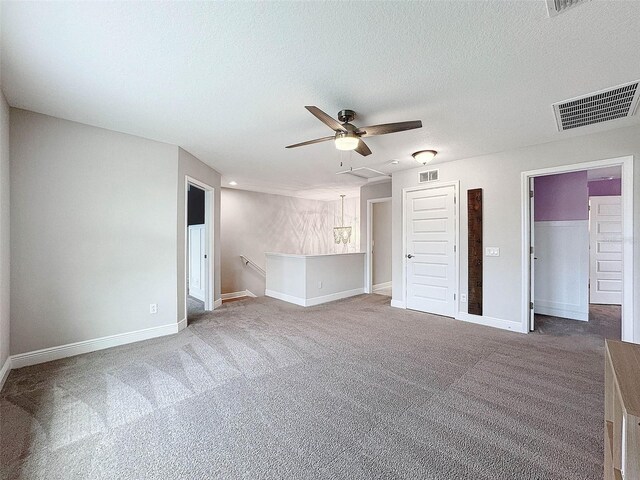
{"x": 254, "y": 223}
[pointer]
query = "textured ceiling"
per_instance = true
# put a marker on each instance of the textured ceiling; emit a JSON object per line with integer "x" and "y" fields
{"x": 228, "y": 81}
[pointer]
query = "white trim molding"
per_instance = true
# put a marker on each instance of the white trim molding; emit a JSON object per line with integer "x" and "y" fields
{"x": 182, "y": 324}
{"x": 381, "y": 286}
{"x": 310, "y": 302}
{"x": 217, "y": 303}
{"x": 398, "y": 304}
{"x": 71, "y": 349}
{"x": 232, "y": 295}
{"x": 4, "y": 372}
{"x": 491, "y": 322}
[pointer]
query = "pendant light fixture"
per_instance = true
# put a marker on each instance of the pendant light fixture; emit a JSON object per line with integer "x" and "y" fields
{"x": 342, "y": 234}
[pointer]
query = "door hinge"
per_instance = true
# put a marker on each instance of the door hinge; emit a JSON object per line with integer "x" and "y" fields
{"x": 530, "y": 305}
{"x": 531, "y": 250}
{"x": 454, "y": 248}
{"x": 454, "y": 296}
{"x": 530, "y": 193}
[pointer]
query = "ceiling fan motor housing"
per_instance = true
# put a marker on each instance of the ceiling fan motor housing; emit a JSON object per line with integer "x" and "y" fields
{"x": 346, "y": 116}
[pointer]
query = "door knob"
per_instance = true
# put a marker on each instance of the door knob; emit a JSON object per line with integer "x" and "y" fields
{"x": 409, "y": 256}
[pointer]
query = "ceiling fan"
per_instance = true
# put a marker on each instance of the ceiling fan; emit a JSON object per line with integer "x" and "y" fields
{"x": 348, "y": 136}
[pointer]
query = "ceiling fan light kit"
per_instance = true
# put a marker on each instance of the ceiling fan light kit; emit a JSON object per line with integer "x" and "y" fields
{"x": 346, "y": 141}
{"x": 424, "y": 156}
{"x": 349, "y": 137}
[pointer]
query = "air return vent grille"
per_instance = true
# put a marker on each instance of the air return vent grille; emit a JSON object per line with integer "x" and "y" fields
{"x": 597, "y": 107}
{"x": 429, "y": 176}
{"x": 554, "y": 7}
{"x": 363, "y": 172}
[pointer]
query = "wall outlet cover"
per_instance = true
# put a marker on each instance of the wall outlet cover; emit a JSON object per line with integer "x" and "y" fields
{"x": 153, "y": 308}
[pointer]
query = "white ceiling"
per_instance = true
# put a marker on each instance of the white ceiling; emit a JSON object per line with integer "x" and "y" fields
{"x": 228, "y": 81}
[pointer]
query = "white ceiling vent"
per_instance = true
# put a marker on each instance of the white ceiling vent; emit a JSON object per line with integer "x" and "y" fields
{"x": 554, "y": 7}
{"x": 429, "y": 176}
{"x": 616, "y": 102}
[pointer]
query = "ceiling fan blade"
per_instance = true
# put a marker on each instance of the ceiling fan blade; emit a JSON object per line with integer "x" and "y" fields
{"x": 388, "y": 128}
{"x": 329, "y": 121}
{"x": 362, "y": 149}
{"x": 311, "y": 142}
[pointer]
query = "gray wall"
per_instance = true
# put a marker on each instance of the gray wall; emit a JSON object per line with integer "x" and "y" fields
{"x": 255, "y": 223}
{"x": 188, "y": 165}
{"x": 370, "y": 192}
{"x": 93, "y": 232}
{"x": 382, "y": 242}
{"x": 499, "y": 175}
{"x": 4, "y": 231}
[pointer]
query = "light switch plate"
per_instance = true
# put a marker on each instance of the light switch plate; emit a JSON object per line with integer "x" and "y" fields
{"x": 492, "y": 251}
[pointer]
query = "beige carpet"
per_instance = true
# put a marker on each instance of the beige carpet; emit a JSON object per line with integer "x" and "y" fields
{"x": 353, "y": 389}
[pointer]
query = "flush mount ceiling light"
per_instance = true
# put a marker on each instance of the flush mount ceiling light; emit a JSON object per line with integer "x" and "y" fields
{"x": 424, "y": 156}
{"x": 233, "y": 183}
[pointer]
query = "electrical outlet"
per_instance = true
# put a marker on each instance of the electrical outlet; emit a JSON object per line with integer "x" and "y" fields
{"x": 492, "y": 251}
{"x": 320, "y": 284}
{"x": 463, "y": 297}
{"x": 153, "y": 308}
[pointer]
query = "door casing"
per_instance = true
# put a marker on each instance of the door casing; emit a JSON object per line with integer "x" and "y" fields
{"x": 628, "y": 333}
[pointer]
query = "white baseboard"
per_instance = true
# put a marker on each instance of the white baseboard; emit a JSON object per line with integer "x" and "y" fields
{"x": 381, "y": 286}
{"x": 217, "y": 303}
{"x": 491, "y": 322}
{"x": 71, "y": 349}
{"x": 310, "y": 302}
{"x": 182, "y": 324}
{"x": 285, "y": 298}
{"x": 333, "y": 297}
{"x": 559, "y": 311}
{"x": 398, "y": 304}
{"x": 240, "y": 294}
{"x": 4, "y": 371}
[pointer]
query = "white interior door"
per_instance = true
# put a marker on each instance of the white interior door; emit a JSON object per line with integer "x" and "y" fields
{"x": 197, "y": 261}
{"x": 605, "y": 244}
{"x": 430, "y": 250}
{"x": 532, "y": 255}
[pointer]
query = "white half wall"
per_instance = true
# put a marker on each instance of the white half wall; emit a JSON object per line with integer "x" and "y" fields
{"x": 562, "y": 269}
{"x": 5, "y": 255}
{"x": 93, "y": 232}
{"x": 254, "y": 223}
{"x": 499, "y": 175}
{"x": 308, "y": 280}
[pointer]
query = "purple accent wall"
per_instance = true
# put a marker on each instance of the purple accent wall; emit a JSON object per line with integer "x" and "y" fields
{"x": 603, "y": 188}
{"x": 561, "y": 197}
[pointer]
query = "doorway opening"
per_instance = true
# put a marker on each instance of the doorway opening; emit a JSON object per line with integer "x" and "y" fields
{"x": 379, "y": 246}
{"x": 198, "y": 249}
{"x": 578, "y": 231}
